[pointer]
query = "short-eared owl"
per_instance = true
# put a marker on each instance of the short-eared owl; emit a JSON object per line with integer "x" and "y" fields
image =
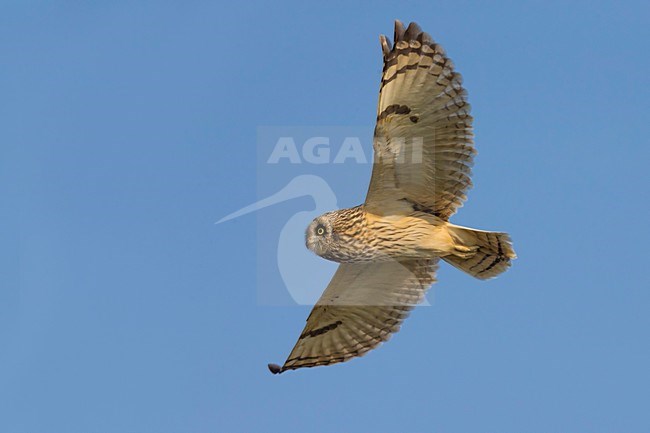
{"x": 388, "y": 247}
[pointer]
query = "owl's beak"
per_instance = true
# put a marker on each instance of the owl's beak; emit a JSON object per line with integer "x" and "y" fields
{"x": 315, "y": 246}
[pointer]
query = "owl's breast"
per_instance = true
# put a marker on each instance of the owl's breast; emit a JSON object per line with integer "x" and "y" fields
{"x": 375, "y": 238}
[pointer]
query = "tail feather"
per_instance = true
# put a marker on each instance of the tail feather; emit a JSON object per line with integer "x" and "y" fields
{"x": 492, "y": 252}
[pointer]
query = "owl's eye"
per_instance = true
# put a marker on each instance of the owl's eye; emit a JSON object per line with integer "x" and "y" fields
{"x": 320, "y": 230}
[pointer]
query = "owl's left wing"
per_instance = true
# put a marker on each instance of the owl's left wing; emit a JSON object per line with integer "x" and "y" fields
{"x": 362, "y": 306}
{"x": 423, "y": 140}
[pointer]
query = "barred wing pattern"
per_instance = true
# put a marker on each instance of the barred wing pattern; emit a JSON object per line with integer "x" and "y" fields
{"x": 423, "y": 138}
{"x": 362, "y": 306}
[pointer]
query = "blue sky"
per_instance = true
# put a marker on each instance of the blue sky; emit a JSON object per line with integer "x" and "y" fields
{"x": 128, "y": 128}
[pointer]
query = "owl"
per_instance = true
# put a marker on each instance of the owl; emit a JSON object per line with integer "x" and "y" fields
{"x": 388, "y": 248}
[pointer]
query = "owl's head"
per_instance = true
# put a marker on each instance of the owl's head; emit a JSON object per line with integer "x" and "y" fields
{"x": 321, "y": 236}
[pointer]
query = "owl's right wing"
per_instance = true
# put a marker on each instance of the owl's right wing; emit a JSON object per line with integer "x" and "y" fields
{"x": 362, "y": 306}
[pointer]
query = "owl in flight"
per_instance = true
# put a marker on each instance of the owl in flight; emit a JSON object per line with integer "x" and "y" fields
{"x": 389, "y": 246}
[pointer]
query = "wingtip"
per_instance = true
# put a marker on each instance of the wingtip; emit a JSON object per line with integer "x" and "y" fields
{"x": 275, "y": 368}
{"x": 386, "y": 45}
{"x": 412, "y": 31}
{"x": 399, "y": 31}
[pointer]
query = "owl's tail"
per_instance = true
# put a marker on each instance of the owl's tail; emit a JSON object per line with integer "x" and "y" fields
{"x": 481, "y": 254}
